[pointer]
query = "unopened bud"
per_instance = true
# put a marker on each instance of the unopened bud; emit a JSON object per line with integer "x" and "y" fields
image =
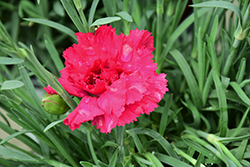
{"x": 54, "y": 104}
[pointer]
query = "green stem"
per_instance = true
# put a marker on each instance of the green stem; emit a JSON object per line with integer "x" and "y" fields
{"x": 239, "y": 32}
{"x": 159, "y": 10}
{"x": 231, "y": 57}
{"x": 91, "y": 148}
{"x": 78, "y": 5}
{"x": 187, "y": 157}
{"x": 126, "y": 23}
{"x": 83, "y": 18}
{"x": 241, "y": 123}
{"x": 229, "y": 154}
{"x": 119, "y": 138}
{"x": 213, "y": 139}
{"x": 206, "y": 145}
{"x": 61, "y": 148}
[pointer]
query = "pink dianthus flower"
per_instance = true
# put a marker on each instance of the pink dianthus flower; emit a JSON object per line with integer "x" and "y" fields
{"x": 114, "y": 75}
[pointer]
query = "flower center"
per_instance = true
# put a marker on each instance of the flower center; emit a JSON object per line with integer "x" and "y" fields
{"x": 101, "y": 75}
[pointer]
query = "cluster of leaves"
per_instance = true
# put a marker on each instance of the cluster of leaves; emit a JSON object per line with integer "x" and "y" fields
{"x": 203, "y": 120}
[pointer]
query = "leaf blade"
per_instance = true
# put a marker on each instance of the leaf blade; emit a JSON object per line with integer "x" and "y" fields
{"x": 8, "y": 60}
{"x": 11, "y": 84}
{"x": 55, "y": 25}
{"x": 191, "y": 81}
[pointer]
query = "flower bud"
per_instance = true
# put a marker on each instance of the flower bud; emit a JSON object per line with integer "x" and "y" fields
{"x": 54, "y": 104}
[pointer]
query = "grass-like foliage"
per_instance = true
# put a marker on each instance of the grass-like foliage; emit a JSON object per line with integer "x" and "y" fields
{"x": 202, "y": 46}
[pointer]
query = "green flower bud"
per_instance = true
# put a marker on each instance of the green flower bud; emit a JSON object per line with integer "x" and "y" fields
{"x": 54, "y": 104}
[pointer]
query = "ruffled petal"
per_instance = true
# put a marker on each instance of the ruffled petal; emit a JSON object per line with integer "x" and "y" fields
{"x": 137, "y": 51}
{"x": 148, "y": 104}
{"x": 86, "y": 110}
{"x": 130, "y": 114}
{"x": 105, "y": 122}
{"x": 156, "y": 85}
{"x": 113, "y": 99}
{"x": 135, "y": 88}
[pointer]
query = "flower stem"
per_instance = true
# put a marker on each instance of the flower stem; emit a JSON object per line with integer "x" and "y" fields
{"x": 186, "y": 156}
{"x": 92, "y": 151}
{"x": 213, "y": 139}
{"x": 240, "y": 34}
{"x": 119, "y": 139}
{"x": 231, "y": 57}
{"x": 79, "y": 8}
{"x": 159, "y": 10}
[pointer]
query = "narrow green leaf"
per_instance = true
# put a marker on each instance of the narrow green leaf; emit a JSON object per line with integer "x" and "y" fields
{"x": 136, "y": 140}
{"x": 186, "y": 156}
{"x": 119, "y": 140}
{"x": 52, "y": 125}
{"x": 230, "y": 158}
{"x": 242, "y": 121}
{"x": 214, "y": 29}
{"x": 201, "y": 61}
{"x": 14, "y": 135}
{"x": 110, "y": 143}
{"x": 73, "y": 14}
{"x": 14, "y": 154}
{"x": 55, "y": 163}
{"x": 232, "y": 139}
{"x": 125, "y": 16}
{"x": 104, "y": 20}
{"x": 151, "y": 157}
{"x": 11, "y": 84}
{"x": 31, "y": 90}
{"x": 164, "y": 117}
{"x": 222, "y": 104}
{"x": 113, "y": 159}
{"x": 157, "y": 137}
{"x": 58, "y": 9}
{"x": 194, "y": 110}
{"x": 240, "y": 92}
{"x": 55, "y": 25}
{"x": 5, "y": 162}
{"x": 4, "y": 117}
{"x": 171, "y": 161}
{"x": 92, "y": 11}
{"x": 8, "y": 60}
{"x": 28, "y": 141}
{"x": 142, "y": 160}
{"x": 53, "y": 53}
{"x": 10, "y": 95}
{"x": 214, "y": 62}
{"x": 221, "y": 4}
{"x": 245, "y": 162}
{"x": 241, "y": 72}
{"x": 200, "y": 159}
{"x": 79, "y": 5}
{"x": 196, "y": 146}
{"x": 180, "y": 9}
{"x": 241, "y": 149}
{"x": 181, "y": 28}
{"x": 101, "y": 164}
{"x": 91, "y": 148}
{"x": 110, "y": 7}
{"x": 191, "y": 81}
{"x": 87, "y": 164}
{"x": 243, "y": 83}
{"x": 203, "y": 143}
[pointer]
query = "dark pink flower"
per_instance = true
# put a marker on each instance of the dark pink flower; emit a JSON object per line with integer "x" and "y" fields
{"x": 114, "y": 75}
